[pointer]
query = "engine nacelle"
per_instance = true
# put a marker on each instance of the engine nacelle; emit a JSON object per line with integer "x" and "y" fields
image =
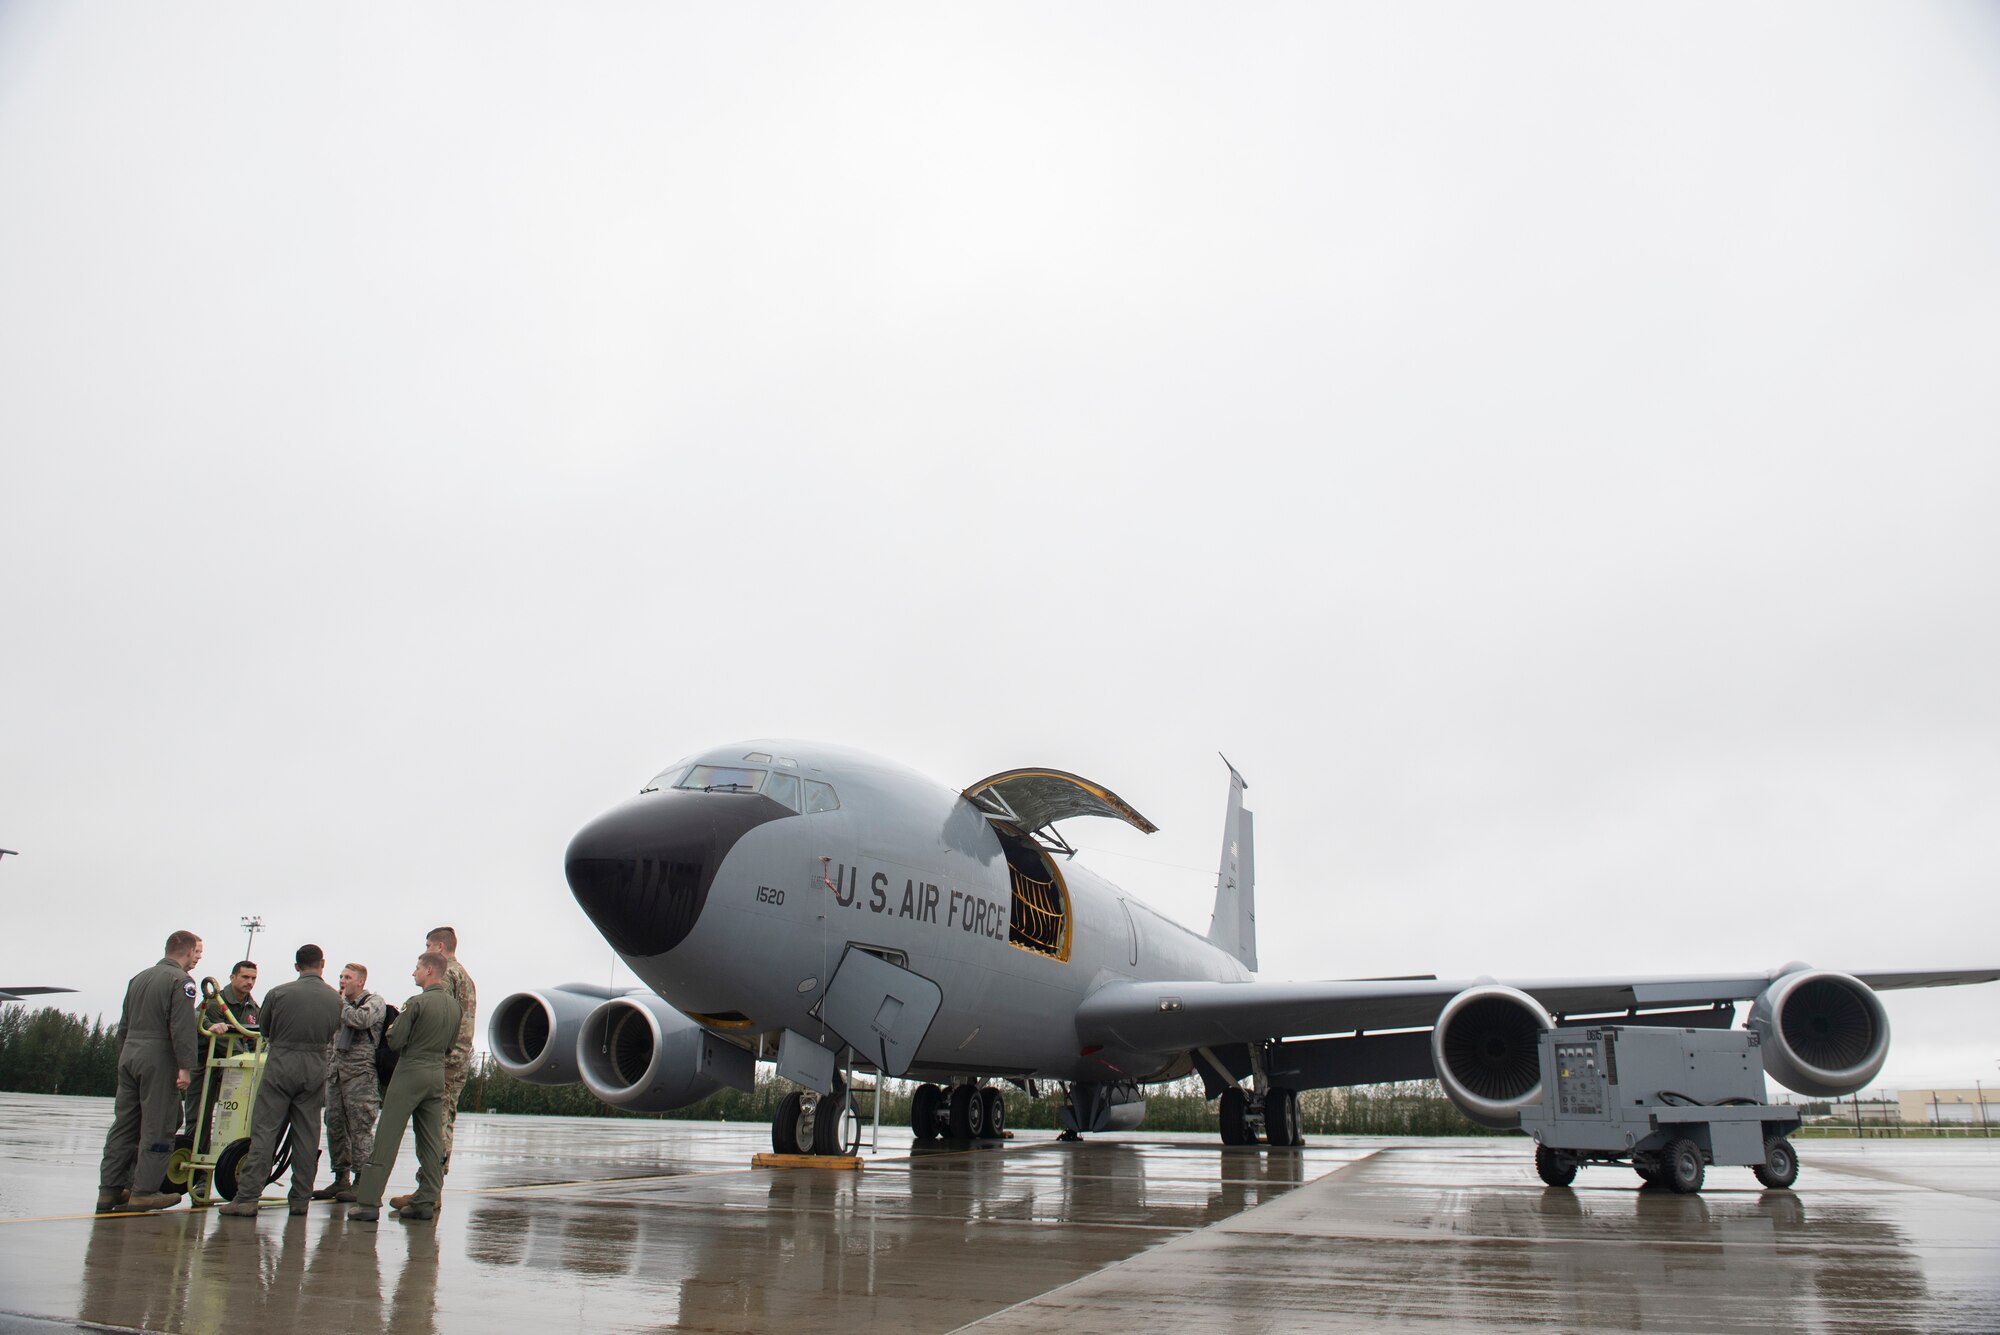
{"x": 1822, "y": 1033}
{"x": 1487, "y": 1051}
{"x": 534, "y": 1033}
{"x": 638, "y": 1052}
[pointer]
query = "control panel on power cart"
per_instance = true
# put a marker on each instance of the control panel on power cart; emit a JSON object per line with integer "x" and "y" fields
{"x": 1583, "y": 1070}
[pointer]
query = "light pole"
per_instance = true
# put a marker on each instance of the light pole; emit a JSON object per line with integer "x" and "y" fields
{"x": 251, "y": 926}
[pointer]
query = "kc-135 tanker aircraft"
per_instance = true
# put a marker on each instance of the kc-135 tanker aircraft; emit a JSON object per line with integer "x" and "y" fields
{"x": 834, "y": 912}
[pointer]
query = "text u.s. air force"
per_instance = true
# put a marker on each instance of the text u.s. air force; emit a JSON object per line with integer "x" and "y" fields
{"x": 919, "y": 901}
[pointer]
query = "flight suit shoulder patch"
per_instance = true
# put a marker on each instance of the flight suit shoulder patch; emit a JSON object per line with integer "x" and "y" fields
{"x": 187, "y": 986}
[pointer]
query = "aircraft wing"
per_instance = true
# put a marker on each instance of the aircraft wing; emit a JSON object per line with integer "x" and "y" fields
{"x": 1178, "y": 1017}
{"x": 16, "y": 993}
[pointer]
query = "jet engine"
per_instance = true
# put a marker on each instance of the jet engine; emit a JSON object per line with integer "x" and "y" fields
{"x": 1487, "y": 1051}
{"x": 638, "y": 1052}
{"x": 1822, "y": 1033}
{"x": 534, "y": 1033}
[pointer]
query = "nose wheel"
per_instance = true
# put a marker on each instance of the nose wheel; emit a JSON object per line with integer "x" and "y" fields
{"x": 808, "y": 1123}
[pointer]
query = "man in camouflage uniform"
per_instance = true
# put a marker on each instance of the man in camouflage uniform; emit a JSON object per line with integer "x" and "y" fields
{"x": 353, "y": 1096}
{"x": 156, "y": 1056}
{"x": 421, "y": 1036}
{"x": 458, "y": 1064}
{"x": 299, "y": 1021}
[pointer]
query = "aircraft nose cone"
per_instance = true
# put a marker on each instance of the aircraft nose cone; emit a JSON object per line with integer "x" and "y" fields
{"x": 643, "y": 871}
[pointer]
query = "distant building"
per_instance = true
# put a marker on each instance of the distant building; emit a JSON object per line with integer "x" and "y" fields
{"x": 1949, "y": 1107}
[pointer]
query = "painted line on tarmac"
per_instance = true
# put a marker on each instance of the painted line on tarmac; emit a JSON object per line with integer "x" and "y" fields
{"x": 167, "y": 1212}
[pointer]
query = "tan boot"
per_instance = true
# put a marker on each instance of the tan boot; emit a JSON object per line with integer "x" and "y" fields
{"x": 331, "y": 1191}
{"x": 241, "y": 1209}
{"x": 398, "y": 1202}
{"x": 108, "y": 1201}
{"x": 152, "y": 1200}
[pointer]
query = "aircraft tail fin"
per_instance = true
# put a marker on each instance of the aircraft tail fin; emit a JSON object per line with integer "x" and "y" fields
{"x": 1234, "y": 925}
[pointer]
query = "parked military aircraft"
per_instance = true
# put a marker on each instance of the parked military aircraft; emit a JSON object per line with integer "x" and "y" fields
{"x": 834, "y": 912}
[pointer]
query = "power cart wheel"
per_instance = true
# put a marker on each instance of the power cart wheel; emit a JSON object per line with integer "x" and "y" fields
{"x": 1781, "y": 1164}
{"x": 226, "y": 1165}
{"x": 179, "y": 1174}
{"x": 1682, "y": 1167}
{"x": 281, "y": 1158}
{"x": 1557, "y": 1169}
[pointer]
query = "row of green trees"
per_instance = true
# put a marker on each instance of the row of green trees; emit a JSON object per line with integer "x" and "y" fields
{"x": 51, "y": 1052}
{"x": 48, "y": 1051}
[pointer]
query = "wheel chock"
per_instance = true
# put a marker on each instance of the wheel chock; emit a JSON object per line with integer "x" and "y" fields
{"x": 845, "y": 1162}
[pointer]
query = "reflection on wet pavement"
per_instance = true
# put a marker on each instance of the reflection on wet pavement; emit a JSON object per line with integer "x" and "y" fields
{"x": 1456, "y": 1236}
{"x": 598, "y": 1224}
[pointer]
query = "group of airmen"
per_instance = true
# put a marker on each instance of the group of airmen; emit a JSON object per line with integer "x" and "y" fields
{"x": 319, "y": 1046}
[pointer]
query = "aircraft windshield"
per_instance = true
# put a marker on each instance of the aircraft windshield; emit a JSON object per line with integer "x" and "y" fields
{"x": 666, "y": 778}
{"x": 723, "y": 779}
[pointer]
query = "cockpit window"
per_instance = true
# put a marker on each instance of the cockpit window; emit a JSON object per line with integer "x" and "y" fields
{"x": 666, "y": 778}
{"x": 723, "y": 779}
{"x": 820, "y": 797}
{"x": 783, "y": 788}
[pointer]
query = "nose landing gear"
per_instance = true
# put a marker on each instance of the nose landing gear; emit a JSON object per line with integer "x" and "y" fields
{"x": 808, "y": 1123}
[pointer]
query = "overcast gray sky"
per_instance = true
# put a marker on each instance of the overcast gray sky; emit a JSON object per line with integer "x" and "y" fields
{"x": 1550, "y": 449}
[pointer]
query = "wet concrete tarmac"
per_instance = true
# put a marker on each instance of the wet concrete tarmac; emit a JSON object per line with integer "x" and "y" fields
{"x": 563, "y": 1224}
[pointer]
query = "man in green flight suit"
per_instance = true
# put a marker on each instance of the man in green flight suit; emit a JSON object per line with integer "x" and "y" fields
{"x": 237, "y": 1000}
{"x": 156, "y": 1056}
{"x": 421, "y": 1036}
{"x": 298, "y": 1022}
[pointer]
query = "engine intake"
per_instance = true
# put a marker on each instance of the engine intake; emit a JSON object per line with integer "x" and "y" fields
{"x": 638, "y": 1052}
{"x": 1822, "y": 1033}
{"x": 534, "y": 1033}
{"x": 1487, "y": 1051}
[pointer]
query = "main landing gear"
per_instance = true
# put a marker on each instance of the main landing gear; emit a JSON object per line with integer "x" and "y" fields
{"x": 963, "y": 1112}
{"x": 1274, "y": 1118}
{"x": 808, "y": 1123}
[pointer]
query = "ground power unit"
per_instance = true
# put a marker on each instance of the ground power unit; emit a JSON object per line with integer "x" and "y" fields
{"x": 1666, "y": 1102}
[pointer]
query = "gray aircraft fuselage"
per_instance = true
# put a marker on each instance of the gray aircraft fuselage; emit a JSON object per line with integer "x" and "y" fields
{"x": 737, "y": 907}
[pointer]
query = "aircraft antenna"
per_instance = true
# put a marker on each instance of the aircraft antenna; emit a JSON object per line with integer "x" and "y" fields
{"x": 252, "y": 925}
